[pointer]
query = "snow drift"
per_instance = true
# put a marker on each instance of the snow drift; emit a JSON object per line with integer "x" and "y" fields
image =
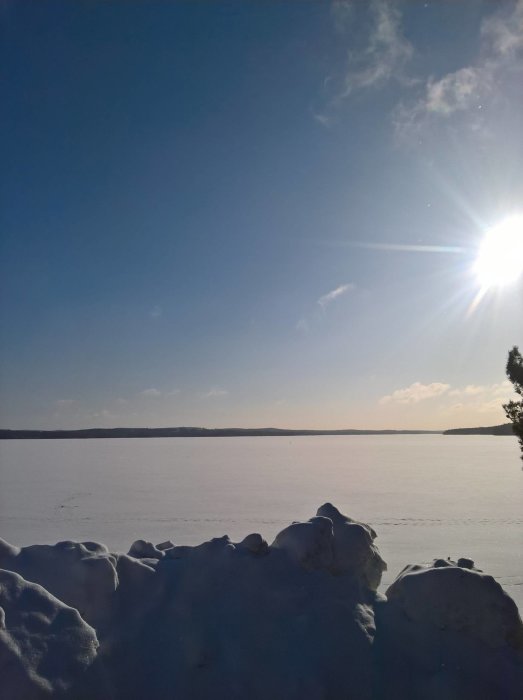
{"x": 297, "y": 619}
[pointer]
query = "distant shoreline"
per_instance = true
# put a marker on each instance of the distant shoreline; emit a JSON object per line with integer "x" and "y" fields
{"x": 188, "y": 432}
{"x": 505, "y": 429}
{"x": 184, "y": 432}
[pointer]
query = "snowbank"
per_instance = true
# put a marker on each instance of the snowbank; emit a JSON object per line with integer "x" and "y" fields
{"x": 45, "y": 646}
{"x": 297, "y": 619}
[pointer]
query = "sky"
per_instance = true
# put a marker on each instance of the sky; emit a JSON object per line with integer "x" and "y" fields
{"x": 257, "y": 213}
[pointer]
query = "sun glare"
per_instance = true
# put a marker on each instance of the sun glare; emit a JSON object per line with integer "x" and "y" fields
{"x": 500, "y": 257}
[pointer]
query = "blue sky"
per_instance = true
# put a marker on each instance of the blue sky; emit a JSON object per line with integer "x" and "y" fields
{"x": 252, "y": 214}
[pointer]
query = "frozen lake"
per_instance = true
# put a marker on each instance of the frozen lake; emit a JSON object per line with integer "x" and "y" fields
{"x": 426, "y": 495}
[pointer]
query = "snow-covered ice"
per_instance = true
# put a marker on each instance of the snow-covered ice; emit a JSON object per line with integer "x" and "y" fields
{"x": 428, "y": 495}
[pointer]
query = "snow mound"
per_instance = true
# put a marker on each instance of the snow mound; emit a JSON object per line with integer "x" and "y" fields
{"x": 80, "y": 574}
{"x": 461, "y": 599}
{"x": 45, "y": 646}
{"x": 449, "y": 631}
{"x": 336, "y": 543}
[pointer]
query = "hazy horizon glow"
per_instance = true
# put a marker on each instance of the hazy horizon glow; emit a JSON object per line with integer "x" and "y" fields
{"x": 298, "y": 215}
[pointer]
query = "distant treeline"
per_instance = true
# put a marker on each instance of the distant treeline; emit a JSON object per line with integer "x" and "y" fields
{"x": 188, "y": 432}
{"x": 505, "y": 429}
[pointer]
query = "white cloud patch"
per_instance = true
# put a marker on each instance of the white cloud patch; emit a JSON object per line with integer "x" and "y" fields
{"x": 64, "y": 403}
{"x": 479, "y": 402}
{"x": 504, "y": 388}
{"x": 415, "y": 393}
{"x": 455, "y": 91}
{"x": 156, "y": 312}
{"x": 486, "y": 401}
{"x": 462, "y": 91}
{"x": 469, "y": 390}
{"x": 502, "y": 391}
{"x": 489, "y": 406}
{"x": 334, "y": 294}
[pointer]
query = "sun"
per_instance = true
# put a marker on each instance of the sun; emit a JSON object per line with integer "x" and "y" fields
{"x": 500, "y": 257}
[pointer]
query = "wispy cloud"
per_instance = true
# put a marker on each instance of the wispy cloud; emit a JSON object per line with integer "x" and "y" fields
{"x": 154, "y": 393}
{"x": 470, "y": 88}
{"x": 460, "y": 91}
{"x": 216, "y": 392}
{"x": 64, "y": 403}
{"x": 415, "y": 393}
{"x": 504, "y": 30}
{"x": 156, "y": 312}
{"x": 386, "y": 54}
{"x": 383, "y": 56}
{"x": 105, "y": 413}
{"x": 150, "y": 393}
{"x": 334, "y": 294}
{"x": 323, "y": 118}
{"x": 304, "y": 324}
{"x": 342, "y": 13}
{"x": 454, "y": 92}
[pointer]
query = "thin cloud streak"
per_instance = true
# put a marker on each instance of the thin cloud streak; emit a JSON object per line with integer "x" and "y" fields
{"x": 334, "y": 294}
